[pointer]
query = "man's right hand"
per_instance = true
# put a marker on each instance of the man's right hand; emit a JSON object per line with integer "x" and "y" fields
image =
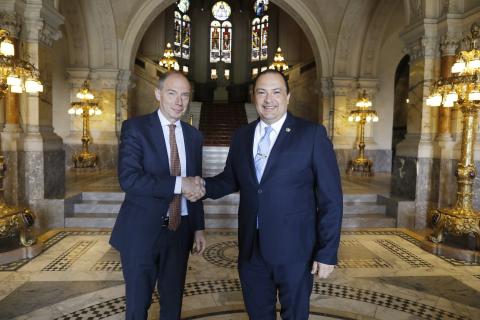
{"x": 193, "y": 188}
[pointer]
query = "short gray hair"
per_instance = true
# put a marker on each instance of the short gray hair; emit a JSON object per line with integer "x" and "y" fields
{"x": 164, "y": 76}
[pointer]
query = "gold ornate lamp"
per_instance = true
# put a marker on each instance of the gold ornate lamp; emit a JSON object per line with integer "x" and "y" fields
{"x": 279, "y": 63}
{"x": 86, "y": 108}
{"x": 18, "y": 74}
{"x": 168, "y": 61}
{"x": 462, "y": 90}
{"x": 362, "y": 114}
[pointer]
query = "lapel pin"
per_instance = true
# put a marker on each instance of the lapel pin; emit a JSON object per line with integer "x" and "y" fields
{"x": 288, "y": 129}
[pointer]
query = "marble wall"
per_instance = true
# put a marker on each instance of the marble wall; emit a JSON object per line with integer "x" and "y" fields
{"x": 404, "y": 177}
{"x": 382, "y": 159}
{"x": 107, "y": 155}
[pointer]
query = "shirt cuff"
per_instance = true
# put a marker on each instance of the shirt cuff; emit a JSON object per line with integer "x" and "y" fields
{"x": 178, "y": 186}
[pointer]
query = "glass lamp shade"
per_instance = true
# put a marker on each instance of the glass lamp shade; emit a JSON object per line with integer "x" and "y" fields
{"x": 7, "y": 48}
{"x": 474, "y": 95}
{"x": 98, "y": 112}
{"x": 375, "y": 118}
{"x": 16, "y": 89}
{"x": 14, "y": 80}
{"x": 434, "y": 100}
{"x": 71, "y": 111}
{"x": 80, "y": 95}
{"x": 474, "y": 64}
{"x": 369, "y": 118}
{"x": 458, "y": 67}
{"x": 448, "y": 103}
{"x": 79, "y": 111}
{"x": 357, "y": 119}
{"x": 350, "y": 118}
{"x": 452, "y": 96}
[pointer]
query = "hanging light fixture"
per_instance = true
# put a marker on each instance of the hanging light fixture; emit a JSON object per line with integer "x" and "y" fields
{"x": 168, "y": 61}
{"x": 279, "y": 63}
{"x": 18, "y": 74}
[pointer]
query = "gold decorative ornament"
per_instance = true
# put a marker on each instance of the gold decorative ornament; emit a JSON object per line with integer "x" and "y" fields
{"x": 362, "y": 114}
{"x": 18, "y": 74}
{"x": 14, "y": 220}
{"x": 279, "y": 62}
{"x": 85, "y": 108}
{"x": 461, "y": 90}
{"x": 168, "y": 60}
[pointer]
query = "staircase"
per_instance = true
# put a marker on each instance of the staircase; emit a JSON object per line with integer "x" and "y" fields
{"x": 218, "y": 122}
{"x": 100, "y": 209}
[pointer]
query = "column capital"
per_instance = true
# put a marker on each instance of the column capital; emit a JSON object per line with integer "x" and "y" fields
{"x": 344, "y": 86}
{"x": 42, "y": 23}
{"x": 11, "y": 22}
{"x": 448, "y": 46}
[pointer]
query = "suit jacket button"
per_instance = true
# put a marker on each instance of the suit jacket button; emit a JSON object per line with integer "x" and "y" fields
{"x": 260, "y": 190}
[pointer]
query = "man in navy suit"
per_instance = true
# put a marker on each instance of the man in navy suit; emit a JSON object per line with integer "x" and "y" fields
{"x": 290, "y": 212}
{"x": 157, "y": 226}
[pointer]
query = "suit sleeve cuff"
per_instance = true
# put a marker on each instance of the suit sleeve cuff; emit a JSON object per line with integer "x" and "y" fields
{"x": 178, "y": 185}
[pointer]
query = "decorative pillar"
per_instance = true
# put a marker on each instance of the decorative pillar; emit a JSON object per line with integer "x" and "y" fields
{"x": 11, "y": 133}
{"x": 447, "y": 187}
{"x": 43, "y": 155}
{"x": 416, "y": 169}
{"x": 342, "y": 133}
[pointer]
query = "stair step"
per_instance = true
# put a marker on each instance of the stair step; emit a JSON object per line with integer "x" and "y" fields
{"x": 89, "y": 222}
{"x": 103, "y": 196}
{"x": 368, "y": 221}
{"x": 97, "y": 207}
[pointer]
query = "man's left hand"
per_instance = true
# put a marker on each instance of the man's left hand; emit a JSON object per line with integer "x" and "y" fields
{"x": 321, "y": 270}
{"x": 200, "y": 243}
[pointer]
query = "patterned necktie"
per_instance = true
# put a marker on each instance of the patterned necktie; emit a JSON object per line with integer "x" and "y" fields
{"x": 175, "y": 170}
{"x": 262, "y": 153}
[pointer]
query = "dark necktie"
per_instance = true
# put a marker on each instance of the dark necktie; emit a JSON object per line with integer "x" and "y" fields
{"x": 175, "y": 170}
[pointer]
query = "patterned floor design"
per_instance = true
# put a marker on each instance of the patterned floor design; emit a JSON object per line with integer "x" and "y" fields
{"x": 382, "y": 274}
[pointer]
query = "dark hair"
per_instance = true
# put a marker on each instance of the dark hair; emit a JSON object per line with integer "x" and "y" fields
{"x": 164, "y": 76}
{"x": 272, "y": 71}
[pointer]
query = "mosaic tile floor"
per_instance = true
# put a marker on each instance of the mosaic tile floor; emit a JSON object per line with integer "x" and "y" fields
{"x": 382, "y": 274}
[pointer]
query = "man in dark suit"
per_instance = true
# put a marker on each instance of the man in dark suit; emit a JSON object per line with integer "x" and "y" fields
{"x": 157, "y": 226}
{"x": 290, "y": 212}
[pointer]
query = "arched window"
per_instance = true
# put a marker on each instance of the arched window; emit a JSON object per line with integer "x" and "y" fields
{"x": 260, "y": 31}
{"x": 221, "y": 33}
{"x": 181, "y": 45}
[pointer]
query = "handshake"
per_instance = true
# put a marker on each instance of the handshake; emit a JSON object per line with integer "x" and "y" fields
{"x": 193, "y": 188}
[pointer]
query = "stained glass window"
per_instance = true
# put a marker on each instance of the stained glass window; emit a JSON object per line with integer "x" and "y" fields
{"x": 181, "y": 43}
{"x": 183, "y": 5}
{"x": 260, "y": 6}
{"x": 221, "y": 33}
{"x": 221, "y": 10}
{"x": 260, "y": 38}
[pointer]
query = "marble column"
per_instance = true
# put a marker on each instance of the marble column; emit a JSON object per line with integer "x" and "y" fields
{"x": 42, "y": 182}
{"x": 12, "y": 131}
{"x": 446, "y": 143}
{"x": 416, "y": 164}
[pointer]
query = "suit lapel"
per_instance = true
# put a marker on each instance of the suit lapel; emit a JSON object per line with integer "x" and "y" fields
{"x": 249, "y": 150}
{"x": 158, "y": 139}
{"x": 279, "y": 144}
{"x": 189, "y": 152}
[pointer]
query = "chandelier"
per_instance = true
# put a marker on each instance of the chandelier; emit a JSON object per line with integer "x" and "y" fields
{"x": 279, "y": 63}
{"x": 461, "y": 90}
{"x": 18, "y": 74}
{"x": 168, "y": 61}
{"x": 85, "y": 108}
{"x": 362, "y": 114}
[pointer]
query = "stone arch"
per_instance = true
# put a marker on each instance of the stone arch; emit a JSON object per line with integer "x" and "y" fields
{"x": 375, "y": 33}
{"x": 100, "y": 28}
{"x": 297, "y": 9}
{"x": 76, "y": 35}
{"x": 351, "y": 38}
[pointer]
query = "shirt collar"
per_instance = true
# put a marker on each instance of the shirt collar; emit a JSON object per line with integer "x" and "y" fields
{"x": 164, "y": 122}
{"x": 276, "y": 126}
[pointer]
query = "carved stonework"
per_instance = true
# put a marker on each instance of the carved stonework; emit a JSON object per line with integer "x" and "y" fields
{"x": 430, "y": 47}
{"x": 416, "y": 10}
{"x": 448, "y": 46}
{"x": 11, "y": 22}
{"x": 414, "y": 50}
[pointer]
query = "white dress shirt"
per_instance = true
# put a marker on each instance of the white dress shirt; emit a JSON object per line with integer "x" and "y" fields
{"x": 260, "y": 131}
{"x": 181, "y": 153}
